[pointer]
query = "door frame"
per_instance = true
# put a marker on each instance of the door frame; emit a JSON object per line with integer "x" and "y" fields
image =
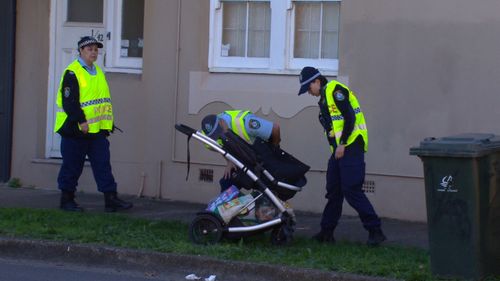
{"x": 50, "y": 85}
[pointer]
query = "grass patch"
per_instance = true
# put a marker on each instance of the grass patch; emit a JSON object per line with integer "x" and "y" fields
{"x": 171, "y": 237}
{"x": 14, "y": 183}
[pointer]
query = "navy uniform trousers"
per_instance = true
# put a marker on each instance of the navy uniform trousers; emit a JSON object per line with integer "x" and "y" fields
{"x": 344, "y": 179}
{"x": 73, "y": 151}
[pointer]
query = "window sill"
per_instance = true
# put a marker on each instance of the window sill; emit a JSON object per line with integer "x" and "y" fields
{"x": 52, "y": 161}
{"x": 266, "y": 71}
{"x": 123, "y": 70}
{"x": 55, "y": 161}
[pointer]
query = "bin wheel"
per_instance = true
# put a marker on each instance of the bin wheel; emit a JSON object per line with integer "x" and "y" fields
{"x": 281, "y": 236}
{"x": 205, "y": 229}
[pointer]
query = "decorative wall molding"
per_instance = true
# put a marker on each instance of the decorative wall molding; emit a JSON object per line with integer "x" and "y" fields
{"x": 248, "y": 91}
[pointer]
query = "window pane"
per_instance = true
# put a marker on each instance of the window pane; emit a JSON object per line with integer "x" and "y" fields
{"x": 234, "y": 29}
{"x": 307, "y": 28}
{"x": 132, "y": 28}
{"x": 259, "y": 27}
{"x": 330, "y": 34}
{"x": 85, "y": 11}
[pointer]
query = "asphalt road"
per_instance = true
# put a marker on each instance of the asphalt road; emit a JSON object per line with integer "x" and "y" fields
{"x": 39, "y": 270}
{"x": 29, "y": 270}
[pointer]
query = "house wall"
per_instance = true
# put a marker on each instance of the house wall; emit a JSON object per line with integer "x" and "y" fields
{"x": 419, "y": 68}
{"x": 30, "y": 90}
{"x": 422, "y": 69}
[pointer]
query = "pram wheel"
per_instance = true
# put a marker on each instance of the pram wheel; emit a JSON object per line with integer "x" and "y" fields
{"x": 281, "y": 235}
{"x": 205, "y": 229}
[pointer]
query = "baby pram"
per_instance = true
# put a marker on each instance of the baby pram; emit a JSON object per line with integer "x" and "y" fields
{"x": 270, "y": 174}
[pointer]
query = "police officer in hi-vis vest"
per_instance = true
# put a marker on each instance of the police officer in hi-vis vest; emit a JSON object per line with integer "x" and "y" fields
{"x": 244, "y": 124}
{"x": 84, "y": 120}
{"x": 345, "y": 128}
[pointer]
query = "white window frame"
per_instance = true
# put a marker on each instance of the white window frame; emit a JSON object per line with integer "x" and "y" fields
{"x": 216, "y": 36}
{"x": 113, "y": 61}
{"x": 280, "y": 59}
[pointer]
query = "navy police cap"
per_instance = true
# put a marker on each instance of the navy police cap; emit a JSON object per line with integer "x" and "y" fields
{"x": 89, "y": 40}
{"x": 307, "y": 75}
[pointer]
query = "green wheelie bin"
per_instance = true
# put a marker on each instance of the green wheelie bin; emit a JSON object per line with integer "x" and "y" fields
{"x": 462, "y": 190}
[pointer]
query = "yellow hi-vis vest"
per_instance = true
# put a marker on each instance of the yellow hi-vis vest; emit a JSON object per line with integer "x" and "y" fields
{"x": 338, "y": 119}
{"x": 238, "y": 123}
{"x": 95, "y": 99}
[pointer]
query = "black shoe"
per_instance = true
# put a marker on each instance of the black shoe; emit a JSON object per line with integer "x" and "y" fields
{"x": 68, "y": 203}
{"x": 324, "y": 237}
{"x": 375, "y": 237}
{"x": 113, "y": 203}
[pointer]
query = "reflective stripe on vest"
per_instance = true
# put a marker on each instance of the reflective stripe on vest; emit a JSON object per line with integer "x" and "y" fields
{"x": 338, "y": 120}
{"x": 356, "y": 127}
{"x": 238, "y": 123}
{"x": 95, "y": 99}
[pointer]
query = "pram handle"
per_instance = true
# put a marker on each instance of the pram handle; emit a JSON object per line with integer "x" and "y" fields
{"x": 185, "y": 129}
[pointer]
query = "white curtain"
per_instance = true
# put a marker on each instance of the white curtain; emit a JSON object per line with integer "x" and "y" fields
{"x": 311, "y": 19}
{"x": 330, "y": 34}
{"x": 259, "y": 26}
{"x": 240, "y": 39}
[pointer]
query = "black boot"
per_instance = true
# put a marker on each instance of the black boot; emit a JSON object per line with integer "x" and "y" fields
{"x": 324, "y": 237}
{"x": 375, "y": 237}
{"x": 68, "y": 203}
{"x": 113, "y": 203}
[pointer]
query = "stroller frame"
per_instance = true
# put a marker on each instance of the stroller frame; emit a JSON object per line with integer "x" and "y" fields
{"x": 213, "y": 228}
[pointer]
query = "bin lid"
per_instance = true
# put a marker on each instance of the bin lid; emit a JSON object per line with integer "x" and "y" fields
{"x": 463, "y": 145}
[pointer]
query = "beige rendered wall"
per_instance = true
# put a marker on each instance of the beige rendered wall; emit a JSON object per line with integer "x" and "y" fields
{"x": 30, "y": 91}
{"x": 420, "y": 68}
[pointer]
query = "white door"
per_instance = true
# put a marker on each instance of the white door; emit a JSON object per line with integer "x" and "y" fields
{"x": 71, "y": 20}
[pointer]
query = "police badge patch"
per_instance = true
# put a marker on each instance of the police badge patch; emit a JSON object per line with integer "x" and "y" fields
{"x": 339, "y": 96}
{"x": 254, "y": 124}
{"x": 208, "y": 128}
{"x": 67, "y": 92}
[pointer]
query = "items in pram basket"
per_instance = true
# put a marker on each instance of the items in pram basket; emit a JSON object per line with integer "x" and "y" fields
{"x": 231, "y": 202}
{"x": 268, "y": 184}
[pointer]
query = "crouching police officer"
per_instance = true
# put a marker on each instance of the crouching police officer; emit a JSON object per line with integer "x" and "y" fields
{"x": 84, "y": 121}
{"x": 244, "y": 124}
{"x": 345, "y": 127}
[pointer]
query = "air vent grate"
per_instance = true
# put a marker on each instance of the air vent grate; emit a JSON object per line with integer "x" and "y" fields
{"x": 206, "y": 175}
{"x": 369, "y": 187}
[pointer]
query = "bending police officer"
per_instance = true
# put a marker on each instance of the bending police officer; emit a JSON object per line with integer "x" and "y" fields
{"x": 345, "y": 127}
{"x": 244, "y": 124}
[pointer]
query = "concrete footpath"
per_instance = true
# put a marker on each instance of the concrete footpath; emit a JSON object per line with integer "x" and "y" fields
{"x": 400, "y": 233}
